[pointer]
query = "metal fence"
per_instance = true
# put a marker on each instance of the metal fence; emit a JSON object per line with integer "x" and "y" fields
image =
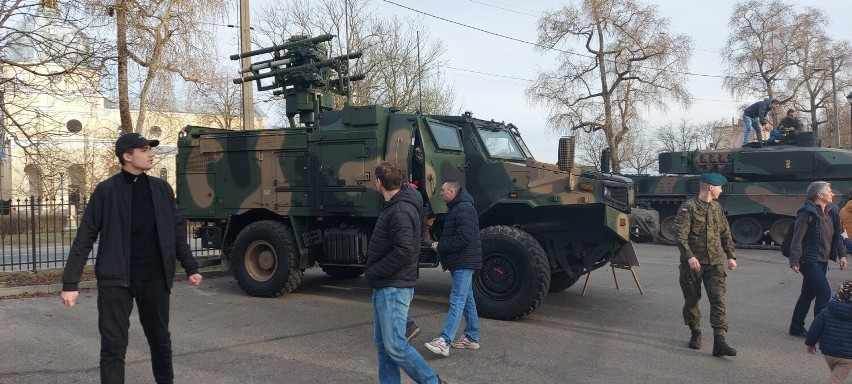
{"x": 37, "y": 233}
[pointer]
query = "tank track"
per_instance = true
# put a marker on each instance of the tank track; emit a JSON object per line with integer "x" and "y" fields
{"x": 656, "y": 202}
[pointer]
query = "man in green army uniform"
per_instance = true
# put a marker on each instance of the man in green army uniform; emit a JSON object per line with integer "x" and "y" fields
{"x": 704, "y": 241}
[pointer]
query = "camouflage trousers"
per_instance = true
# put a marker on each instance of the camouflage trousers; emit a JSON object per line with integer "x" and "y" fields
{"x": 713, "y": 277}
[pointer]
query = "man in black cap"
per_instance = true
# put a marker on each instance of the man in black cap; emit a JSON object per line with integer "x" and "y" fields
{"x": 704, "y": 241}
{"x": 141, "y": 236}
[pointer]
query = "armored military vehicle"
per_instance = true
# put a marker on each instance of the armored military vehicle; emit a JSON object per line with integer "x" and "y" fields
{"x": 278, "y": 201}
{"x": 766, "y": 185}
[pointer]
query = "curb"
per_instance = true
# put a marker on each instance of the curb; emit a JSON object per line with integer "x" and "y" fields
{"x": 91, "y": 284}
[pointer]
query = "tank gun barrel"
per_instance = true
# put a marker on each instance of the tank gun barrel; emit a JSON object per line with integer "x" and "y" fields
{"x": 284, "y": 71}
{"x": 288, "y": 45}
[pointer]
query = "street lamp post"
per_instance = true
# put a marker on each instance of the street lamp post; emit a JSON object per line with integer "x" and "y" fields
{"x": 849, "y": 98}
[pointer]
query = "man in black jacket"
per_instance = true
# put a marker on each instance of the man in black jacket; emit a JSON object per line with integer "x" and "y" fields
{"x": 141, "y": 236}
{"x": 754, "y": 117}
{"x": 461, "y": 253}
{"x": 392, "y": 271}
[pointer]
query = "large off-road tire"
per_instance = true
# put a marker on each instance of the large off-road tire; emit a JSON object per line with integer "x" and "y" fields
{"x": 341, "y": 272}
{"x": 515, "y": 274}
{"x": 265, "y": 259}
{"x": 560, "y": 281}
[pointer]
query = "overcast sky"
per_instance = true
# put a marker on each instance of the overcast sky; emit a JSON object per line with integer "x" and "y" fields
{"x": 505, "y": 66}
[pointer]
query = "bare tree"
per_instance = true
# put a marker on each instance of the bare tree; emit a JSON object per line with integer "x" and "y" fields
{"x": 46, "y": 61}
{"x": 616, "y": 58}
{"x": 757, "y": 50}
{"x": 161, "y": 39}
{"x": 686, "y": 136}
{"x": 640, "y": 152}
{"x": 389, "y": 46}
{"x": 217, "y": 94}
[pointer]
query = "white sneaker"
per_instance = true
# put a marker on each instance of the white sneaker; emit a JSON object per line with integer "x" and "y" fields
{"x": 438, "y": 346}
{"x": 464, "y": 342}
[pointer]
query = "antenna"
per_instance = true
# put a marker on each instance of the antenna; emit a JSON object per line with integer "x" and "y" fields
{"x": 419, "y": 78}
{"x": 348, "y": 81}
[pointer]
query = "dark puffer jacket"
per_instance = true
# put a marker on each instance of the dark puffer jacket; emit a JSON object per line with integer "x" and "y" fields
{"x": 395, "y": 244}
{"x": 759, "y": 110}
{"x": 807, "y": 236}
{"x": 833, "y": 329}
{"x": 459, "y": 245}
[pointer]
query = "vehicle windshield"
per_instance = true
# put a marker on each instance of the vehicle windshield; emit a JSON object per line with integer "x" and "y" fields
{"x": 503, "y": 144}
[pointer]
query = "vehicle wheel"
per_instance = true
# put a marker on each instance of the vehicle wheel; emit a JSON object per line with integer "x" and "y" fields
{"x": 747, "y": 230}
{"x": 515, "y": 274}
{"x": 265, "y": 259}
{"x": 560, "y": 281}
{"x": 778, "y": 229}
{"x": 667, "y": 230}
{"x": 341, "y": 272}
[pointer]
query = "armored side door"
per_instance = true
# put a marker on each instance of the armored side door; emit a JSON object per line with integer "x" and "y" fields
{"x": 444, "y": 158}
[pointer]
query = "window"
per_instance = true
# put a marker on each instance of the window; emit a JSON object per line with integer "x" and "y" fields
{"x": 501, "y": 144}
{"x": 74, "y": 126}
{"x": 164, "y": 173}
{"x": 447, "y": 136}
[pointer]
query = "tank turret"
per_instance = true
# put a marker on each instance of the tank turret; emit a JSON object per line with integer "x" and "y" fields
{"x": 772, "y": 163}
{"x": 766, "y": 185}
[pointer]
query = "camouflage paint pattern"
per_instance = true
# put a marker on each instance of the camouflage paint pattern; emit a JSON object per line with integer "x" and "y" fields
{"x": 327, "y": 172}
{"x": 765, "y": 188}
{"x": 315, "y": 181}
{"x": 713, "y": 277}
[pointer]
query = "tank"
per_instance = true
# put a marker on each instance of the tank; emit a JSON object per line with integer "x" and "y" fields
{"x": 279, "y": 201}
{"x": 766, "y": 185}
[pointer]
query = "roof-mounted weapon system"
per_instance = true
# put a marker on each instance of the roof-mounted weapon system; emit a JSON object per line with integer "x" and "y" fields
{"x": 303, "y": 73}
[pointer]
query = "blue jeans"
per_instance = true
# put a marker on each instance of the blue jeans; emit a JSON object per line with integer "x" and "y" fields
{"x": 390, "y": 311}
{"x": 814, "y": 286}
{"x": 752, "y": 123}
{"x": 461, "y": 304}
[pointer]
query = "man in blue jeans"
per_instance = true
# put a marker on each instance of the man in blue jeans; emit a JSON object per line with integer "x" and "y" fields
{"x": 392, "y": 271}
{"x": 461, "y": 253}
{"x": 754, "y": 117}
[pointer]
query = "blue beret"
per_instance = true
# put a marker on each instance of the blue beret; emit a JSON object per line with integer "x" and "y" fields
{"x": 713, "y": 178}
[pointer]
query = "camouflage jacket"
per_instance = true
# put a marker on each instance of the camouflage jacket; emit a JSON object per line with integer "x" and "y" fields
{"x": 702, "y": 232}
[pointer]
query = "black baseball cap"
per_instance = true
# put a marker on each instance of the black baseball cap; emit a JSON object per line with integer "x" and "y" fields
{"x": 132, "y": 140}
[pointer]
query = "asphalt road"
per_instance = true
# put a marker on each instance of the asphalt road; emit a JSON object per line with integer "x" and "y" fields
{"x": 323, "y": 333}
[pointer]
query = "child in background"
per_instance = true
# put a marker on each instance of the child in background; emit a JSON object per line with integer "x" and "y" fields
{"x": 832, "y": 328}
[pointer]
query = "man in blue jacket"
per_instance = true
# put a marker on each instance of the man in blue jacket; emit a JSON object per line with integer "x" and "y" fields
{"x": 754, "y": 117}
{"x": 141, "y": 236}
{"x": 461, "y": 253}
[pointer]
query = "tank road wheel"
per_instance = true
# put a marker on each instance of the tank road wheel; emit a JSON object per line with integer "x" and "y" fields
{"x": 341, "y": 272}
{"x": 667, "y": 230}
{"x": 778, "y": 229}
{"x": 265, "y": 259}
{"x": 560, "y": 281}
{"x": 747, "y": 230}
{"x": 515, "y": 274}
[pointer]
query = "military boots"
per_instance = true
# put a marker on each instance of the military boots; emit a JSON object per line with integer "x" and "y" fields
{"x": 721, "y": 348}
{"x": 695, "y": 340}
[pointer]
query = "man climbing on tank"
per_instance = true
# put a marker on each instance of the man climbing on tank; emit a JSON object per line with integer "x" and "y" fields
{"x": 754, "y": 118}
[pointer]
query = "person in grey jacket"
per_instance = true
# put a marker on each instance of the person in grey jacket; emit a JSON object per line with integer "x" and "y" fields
{"x": 816, "y": 240}
{"x": 141, "y": 237}
{"x": 461, "y": 252}
{"x": 832, "y": 328}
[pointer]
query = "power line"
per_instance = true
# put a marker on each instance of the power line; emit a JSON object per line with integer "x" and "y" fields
{"x": 502, "y": 8}
{"x": 541, "y": 45}
{"x": 531, "y": 80}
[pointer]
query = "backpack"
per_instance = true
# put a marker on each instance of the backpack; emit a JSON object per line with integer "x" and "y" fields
{"x": 788, "y": 238}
